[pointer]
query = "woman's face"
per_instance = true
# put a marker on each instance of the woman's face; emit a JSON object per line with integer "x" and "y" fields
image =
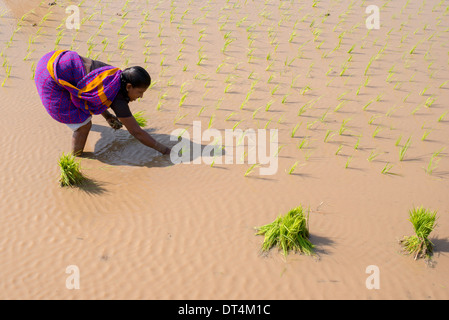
{"x": 135, "y": 93}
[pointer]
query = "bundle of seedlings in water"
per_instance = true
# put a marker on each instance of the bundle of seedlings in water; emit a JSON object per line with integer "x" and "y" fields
{"x": 140, "y": 118}
{"x": 288, "y": 232}
{"x": 423, "y": 222}
{"x": 70, "y": 171}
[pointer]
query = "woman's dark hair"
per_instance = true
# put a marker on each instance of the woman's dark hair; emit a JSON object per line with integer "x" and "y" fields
{"x": 138, "y": 77}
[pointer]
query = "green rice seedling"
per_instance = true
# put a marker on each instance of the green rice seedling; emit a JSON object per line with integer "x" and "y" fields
{"x": 236, "y": 125}
{"x": 292, "y": 85}
{"x": 279, "y": 150}
{"x": 387, "y": 168}
{"x": 348, "y": 162}
{"x": 357, "y": 144}
{"x": 340, "y": 147}
{"x": 267, "y": 124}
{"x": 140, "y": 118}
{"x": 425, "y": 135}
{"x": 441, "y": 118}
{"x": 376, "y": 131}
{"x": 251, "y": 169}
{"x": 201, "y": 57}
{"x": 228, "y": 88}
{"x": 33, "y": 70}
{"x": 324, "y": 115}
{"x": 229, "y": 117}
{"x": 398, "y": 141}
{"x": 374, "y": 117}
{"x": 219, "y": 67}
{"x": 303, "y": 143}
{"x": 305, "y": 90}
{"x": 211, "y": 121}
{"x": 429, "y": 102}
{"x": 159, "y": 105}
{"x": 443, "y": 84}
{"x": 397, "y": 86}
{"x": 343, "y": 126}
{"x": 412, "y": 50}
{"x": 268, "y": 68}
{"x": 8, "y": 71}
{"x": 281, "y": 119}
{"x": 121, "y": 42}
{"x": 308, "y": 155}
{"x": 248, "y": 95}
{"x": 424, "y": 222}
{"x": 373, "y": 156}
{"x": 352, "y": 48}
{"x": 406, "y": 97}
{"x": 255, "y": 112}
{"x": 225, "y": 46}
{"x": 70, "y": 173}
{"x": 303, "y": 109}
{"x": 293, "y": 168}
{"x": 404, "y": 149}
{"x": 369, "y": 65}
{"x": 367, "y": 105}
{"x": 365, "y": 84}
{"x": 433, "y": 163}
{"x": 343, "y": 94}
{"x": 328, "y": 135}
{"x": 415, "y": 110}
{"x": 178, "y": 118}
{"x": 269, "y": 104}
{"x": 295, "y": 129}
{"x": 423, "y": 92}
{"x": 338, "y": 107}
{"x": 289, "y": 232}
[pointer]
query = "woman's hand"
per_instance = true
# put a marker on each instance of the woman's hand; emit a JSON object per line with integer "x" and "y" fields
{"x": 167, "y": 151}
{"x": 114, "y": 122}
{"x": 143, "y": 136}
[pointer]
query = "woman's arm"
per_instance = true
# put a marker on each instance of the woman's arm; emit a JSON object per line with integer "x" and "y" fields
{"x": 143, "y": 136}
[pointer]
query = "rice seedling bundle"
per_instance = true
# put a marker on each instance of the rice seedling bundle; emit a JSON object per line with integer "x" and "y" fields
{"x": 423, "y": 221}
{"x": 288, "y": 232}
{"x": 70, "y": 171}
{"x": 140, "y": 118}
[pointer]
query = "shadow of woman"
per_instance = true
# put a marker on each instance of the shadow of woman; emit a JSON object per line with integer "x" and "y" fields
{"x": 120, "y": 148}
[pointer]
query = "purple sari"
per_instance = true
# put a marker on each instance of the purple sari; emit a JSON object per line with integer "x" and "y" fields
{"x": 69, "y": 94}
